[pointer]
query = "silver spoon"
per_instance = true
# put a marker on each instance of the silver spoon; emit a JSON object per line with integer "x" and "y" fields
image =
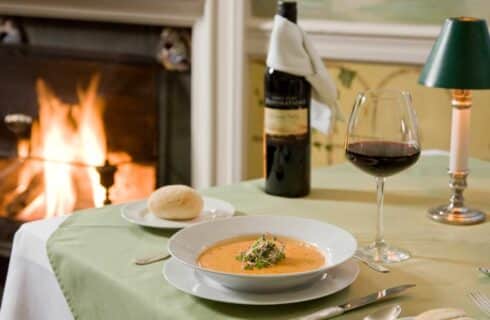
{"x": 387, "y": 313}
{"x": 485, "y": 271}
{"x": 151, "y": 259}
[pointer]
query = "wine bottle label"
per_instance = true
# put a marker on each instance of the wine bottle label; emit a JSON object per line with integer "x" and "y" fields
{"x": 286, "y": 122}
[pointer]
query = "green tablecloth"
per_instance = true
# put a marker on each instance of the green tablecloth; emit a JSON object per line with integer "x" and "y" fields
{"x": 91, "y": 252}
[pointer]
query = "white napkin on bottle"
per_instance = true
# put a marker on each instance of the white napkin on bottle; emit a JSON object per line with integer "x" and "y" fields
{"x": 291, "y": 51}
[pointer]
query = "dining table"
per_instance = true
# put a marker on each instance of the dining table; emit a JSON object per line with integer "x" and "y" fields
{"x": 80, "y": 266}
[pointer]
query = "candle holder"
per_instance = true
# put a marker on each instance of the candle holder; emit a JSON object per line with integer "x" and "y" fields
{"x": 456, "y": 212}
{"x": 107, "y": 174}
{"x": 459, "y": 60}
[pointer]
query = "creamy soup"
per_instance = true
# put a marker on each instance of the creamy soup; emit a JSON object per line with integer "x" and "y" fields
{"x": 299, "y": 256}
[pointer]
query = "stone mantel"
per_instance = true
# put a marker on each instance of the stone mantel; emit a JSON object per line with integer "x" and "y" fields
{"x": 182, "y": 13}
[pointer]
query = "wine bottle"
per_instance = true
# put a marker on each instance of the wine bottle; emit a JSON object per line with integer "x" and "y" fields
{"x": 287, "y": 127}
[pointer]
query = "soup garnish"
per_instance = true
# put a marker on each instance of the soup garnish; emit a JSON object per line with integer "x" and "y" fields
{"x": 264, "y": 252}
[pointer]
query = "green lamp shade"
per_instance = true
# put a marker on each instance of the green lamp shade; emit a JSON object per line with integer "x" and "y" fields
{"x": 460, "y": 58}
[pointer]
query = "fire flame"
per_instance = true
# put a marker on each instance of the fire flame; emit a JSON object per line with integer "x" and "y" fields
{"x": 67, "y": 137}
{"x": 58, "y": 172}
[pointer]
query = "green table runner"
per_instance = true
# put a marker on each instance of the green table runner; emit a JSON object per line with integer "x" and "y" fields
{"x": 92, "y": 251}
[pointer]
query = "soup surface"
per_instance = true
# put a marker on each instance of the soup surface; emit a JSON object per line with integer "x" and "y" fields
{"x": 300, "y": 256}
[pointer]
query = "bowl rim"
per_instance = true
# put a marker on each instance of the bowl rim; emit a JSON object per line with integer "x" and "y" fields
{"x": 323, "y": 268}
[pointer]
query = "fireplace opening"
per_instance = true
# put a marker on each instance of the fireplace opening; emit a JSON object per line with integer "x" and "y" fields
{"x": 91, "y": 115}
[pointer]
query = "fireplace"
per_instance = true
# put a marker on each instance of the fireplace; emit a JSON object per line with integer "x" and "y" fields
{"x": 92, "y": 113}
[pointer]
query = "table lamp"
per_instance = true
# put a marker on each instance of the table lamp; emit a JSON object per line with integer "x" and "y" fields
{"x": 460, "y": 61}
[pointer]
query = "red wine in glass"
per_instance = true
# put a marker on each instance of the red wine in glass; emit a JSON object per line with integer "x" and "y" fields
{"x": 382, "y": 158}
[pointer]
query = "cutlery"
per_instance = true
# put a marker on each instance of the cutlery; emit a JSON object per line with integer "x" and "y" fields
{"x": 331, "y": 312}
{"x": 387, "y": 313}
{"x": 373, "y": 265}
{"x": 151, "y": 259}
{"x": 215, "y": 214}
{"x": 485, "y": 271}
{"x": 481, "y": 301}
{"x": 442, "y": 313}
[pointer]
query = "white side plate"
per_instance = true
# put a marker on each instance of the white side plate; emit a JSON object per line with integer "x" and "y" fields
{"x": 189, "y": 281}
{"x": 138, "y": 213}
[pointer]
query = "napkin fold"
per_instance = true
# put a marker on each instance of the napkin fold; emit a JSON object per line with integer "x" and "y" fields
{"x": 291, "y": 51}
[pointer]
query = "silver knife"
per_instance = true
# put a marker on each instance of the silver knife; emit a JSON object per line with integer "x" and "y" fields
{"x": 356, "y": 303}
{"x": 375, "y": 266}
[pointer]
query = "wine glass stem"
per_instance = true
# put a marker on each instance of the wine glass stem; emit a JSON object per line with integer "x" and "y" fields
{"x": 380, "y": 184}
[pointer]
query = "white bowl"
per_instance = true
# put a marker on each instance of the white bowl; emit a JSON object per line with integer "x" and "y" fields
{"x": 335, "y": 243}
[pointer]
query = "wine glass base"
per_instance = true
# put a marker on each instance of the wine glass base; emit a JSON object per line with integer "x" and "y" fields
{"x": 383, "y": 253}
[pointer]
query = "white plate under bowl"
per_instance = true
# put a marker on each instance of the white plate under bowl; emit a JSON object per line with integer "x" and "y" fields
{"x": 336, "y": 244}
{"x": 138, "y": 213}
{"x": 186, "y": 279}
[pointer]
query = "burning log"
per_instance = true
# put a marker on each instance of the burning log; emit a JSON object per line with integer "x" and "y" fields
{"x": 34, "y": 189}
{"x": 10, "y": 171}
{"x": 9, "y": 175}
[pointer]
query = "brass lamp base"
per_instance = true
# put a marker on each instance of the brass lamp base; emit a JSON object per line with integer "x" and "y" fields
{"x": 456, "y": 212}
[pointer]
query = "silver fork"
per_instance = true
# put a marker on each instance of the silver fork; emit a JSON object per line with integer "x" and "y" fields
{"x": 481, "y": 301}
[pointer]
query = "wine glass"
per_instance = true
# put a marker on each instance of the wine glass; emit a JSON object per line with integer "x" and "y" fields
{"x": 382, "y": 139}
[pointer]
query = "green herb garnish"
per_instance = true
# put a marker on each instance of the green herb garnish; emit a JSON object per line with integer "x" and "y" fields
{"x": 263, "y": 253}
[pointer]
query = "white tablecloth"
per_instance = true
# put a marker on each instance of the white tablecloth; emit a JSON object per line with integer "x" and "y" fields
{"x": 31, "y": 290}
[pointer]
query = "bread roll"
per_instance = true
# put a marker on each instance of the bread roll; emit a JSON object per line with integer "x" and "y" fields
{"x": 175, "y": 202}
